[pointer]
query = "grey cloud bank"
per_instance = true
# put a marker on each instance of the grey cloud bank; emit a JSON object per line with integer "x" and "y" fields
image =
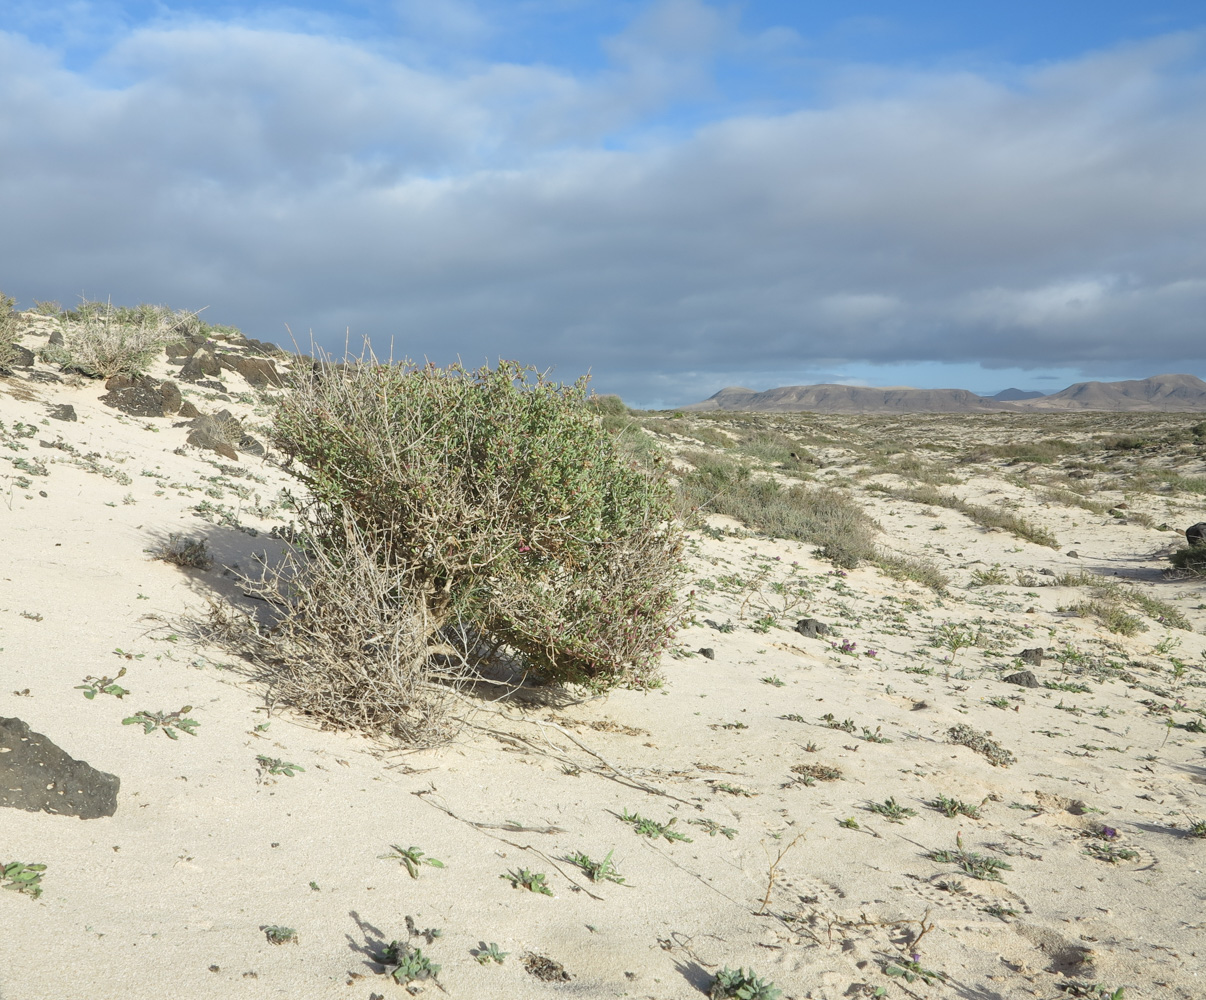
{"x": 1043, "y": 218}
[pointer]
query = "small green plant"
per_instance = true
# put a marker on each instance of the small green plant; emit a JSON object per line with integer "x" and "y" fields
{"x": 93, "y": 686}
{"x": 731, "y": 789}
{"x": 411, "y": 965}
{"x": 1091, "y": 991}
{"x": 965, "y": 735}
{"x": 951, "y": 636}
{"x": 713, "y": 828}
{"x": 846, "y": 726}
{"x": 20, "y": 877}
{"x": 953, "y": 807}
{"x": 996, "y": 910}
{"x": 875, "y": 737}
{"x": 1197, "y": 828}
{"x": 773, "y": 681}
{"x": 978, "y": 866}
{"x": 532, "y": 881}
{"x": 487, "y": 953}
{"x": 850, "y": 823}
{"x": 274, "y": 765}
{"x": 653, "y": 829}
{"x": 1000, "y": 702}
{"x": 989, "y": 577}
{"x": 169, "y": 722}
{"x": 124, "y": 655}
{"x": 892, "y": 810}
{"x": 1111, "y": 853}
{"x": 742, "y": 985}
{"x": 279, "y": 935}
{"x": 793, "y": 718}
{"x": 597, "y": 871}
{"x": 412, "y": 858}
{"x": 910, "y": 970}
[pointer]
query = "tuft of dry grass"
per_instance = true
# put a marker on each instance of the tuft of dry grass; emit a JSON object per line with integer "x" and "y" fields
{"x": 180, "y": 551}
{"x": 350, "y": 643}
{"x": 988, "y": 517}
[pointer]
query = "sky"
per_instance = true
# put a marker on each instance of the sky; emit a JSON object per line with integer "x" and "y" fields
{"x": 672, "y": 195}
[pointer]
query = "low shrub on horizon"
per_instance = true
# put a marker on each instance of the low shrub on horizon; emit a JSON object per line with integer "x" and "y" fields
{"x": 839, "y": 527}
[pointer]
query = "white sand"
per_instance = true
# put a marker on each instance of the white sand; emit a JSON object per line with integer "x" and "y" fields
{"x": 168, "y": 896}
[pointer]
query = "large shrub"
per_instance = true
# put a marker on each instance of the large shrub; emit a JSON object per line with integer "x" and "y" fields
{"x": 8, "y": 331}
{"x": 497, "y": 500}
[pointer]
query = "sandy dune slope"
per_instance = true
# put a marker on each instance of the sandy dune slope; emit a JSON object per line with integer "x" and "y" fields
{"x": 796, "y": 777}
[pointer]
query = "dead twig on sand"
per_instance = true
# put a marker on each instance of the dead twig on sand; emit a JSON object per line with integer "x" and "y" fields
{"x": 773, "y": 873}
{"x": 424, "y": 795}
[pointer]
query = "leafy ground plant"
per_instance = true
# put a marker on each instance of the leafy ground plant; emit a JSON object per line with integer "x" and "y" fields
{"x": 169, "y": 722}
{"x": 953, "y": 807}
{"x": 965, "y": 735}
{"x": 652, "y": 828}
{"x": 713, "y": 828}
{"x": 20, "y": 877}
{"x": 892, "y": 810}
{"x": 978, "y": 866}
{"x": 276, "y": 934}
{"x": 911, "y": 970}
{"x": 742, "y": 985}
{"x": 410, "y": 964}
{"x": 1112, "y": 853}
{"x": 818, "y": 772}
{"x": 597, "y": 871}
{"x": 412, "y": 858}
{"x": 532, "y": 881}
{"x": 487, "y": 953}
{"x": 93, "y": 686}
{"x": 274, "y": 765}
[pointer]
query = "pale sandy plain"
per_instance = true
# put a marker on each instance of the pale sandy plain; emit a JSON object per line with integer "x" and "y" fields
{"x": 168, "y": 897}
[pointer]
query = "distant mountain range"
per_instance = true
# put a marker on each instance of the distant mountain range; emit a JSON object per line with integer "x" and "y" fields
{"x": 1179, "y": 393}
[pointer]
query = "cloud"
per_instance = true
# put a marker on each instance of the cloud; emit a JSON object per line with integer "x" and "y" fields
{"x": 1046, "y": 217}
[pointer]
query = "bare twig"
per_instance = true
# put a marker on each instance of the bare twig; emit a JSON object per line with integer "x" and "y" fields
{"x": 773, "y": 873}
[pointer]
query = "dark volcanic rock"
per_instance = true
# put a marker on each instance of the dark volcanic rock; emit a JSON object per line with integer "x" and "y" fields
{"x": 144, "y": 397}
{"x": 36, "y": 775}
{"x": 220, "y": 431}
{"x": 1023, "y": 678}
{"x": 811, "y": 628}
{"x": 1032, "y": 656}
{"x": 200, "y": 365}
{"x": 64, "y": 411}
{"x": 258, "y": 372}
{"x": 707, "y": 651}
{"x": 1196, "y": 534}
{"x": 171, "y": 398}
{"x": 24, "y": 357}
